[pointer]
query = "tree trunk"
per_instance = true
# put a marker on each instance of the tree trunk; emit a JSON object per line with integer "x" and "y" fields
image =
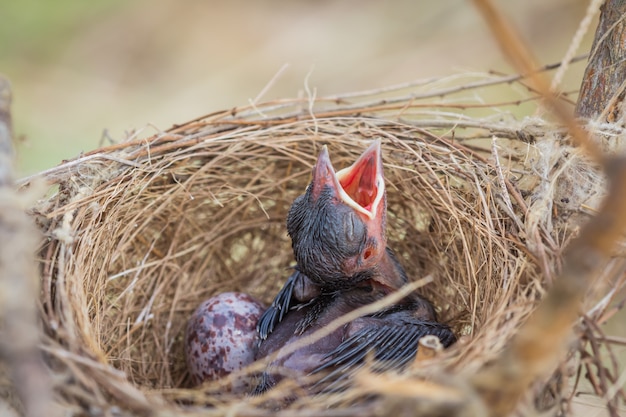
{"x": 604, "y": 83}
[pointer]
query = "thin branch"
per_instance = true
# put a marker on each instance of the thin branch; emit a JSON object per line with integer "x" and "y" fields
{"x": 520, "y": 56}
{"x": 542, "y": 341}
{"x": 583, "y": 27}
{"x": 19, "y": 332}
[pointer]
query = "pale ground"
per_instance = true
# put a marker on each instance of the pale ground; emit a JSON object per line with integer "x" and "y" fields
{"x": 78, "y": 71}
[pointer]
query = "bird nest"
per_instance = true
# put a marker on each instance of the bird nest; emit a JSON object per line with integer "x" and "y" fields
{"x": 138, "y": 233}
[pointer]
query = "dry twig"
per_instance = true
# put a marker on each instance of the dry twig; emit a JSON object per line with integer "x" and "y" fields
{"x": 19, "y": 332}
{"x": 542, "y": 341}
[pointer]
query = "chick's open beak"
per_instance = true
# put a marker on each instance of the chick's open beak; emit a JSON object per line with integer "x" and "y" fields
{"x": 360, "y": 186}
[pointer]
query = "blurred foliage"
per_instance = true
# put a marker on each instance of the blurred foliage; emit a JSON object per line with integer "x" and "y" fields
{"x": 34, "y": 32}
{"x": 33, "y": 36}
{"x": 86, "y": 72}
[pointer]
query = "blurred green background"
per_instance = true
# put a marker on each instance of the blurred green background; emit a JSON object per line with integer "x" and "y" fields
{"x": 82, "y": 71}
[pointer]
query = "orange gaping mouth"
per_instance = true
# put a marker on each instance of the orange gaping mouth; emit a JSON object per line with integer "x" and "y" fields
{"x": 361, "y": 185}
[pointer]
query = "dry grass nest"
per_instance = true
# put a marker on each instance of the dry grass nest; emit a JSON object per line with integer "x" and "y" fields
{"x": 138, "y": 233}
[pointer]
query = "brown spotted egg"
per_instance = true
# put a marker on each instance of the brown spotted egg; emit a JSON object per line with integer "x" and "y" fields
{"x": 221, "y": 336}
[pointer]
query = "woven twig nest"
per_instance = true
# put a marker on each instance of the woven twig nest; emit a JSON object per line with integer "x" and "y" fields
{"x": 140, "y": 232}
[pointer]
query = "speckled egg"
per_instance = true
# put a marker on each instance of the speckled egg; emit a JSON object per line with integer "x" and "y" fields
{"x": 221, "y": 336}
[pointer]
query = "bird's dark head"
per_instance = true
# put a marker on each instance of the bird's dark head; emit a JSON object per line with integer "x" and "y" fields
{"x": 338, "y": 226}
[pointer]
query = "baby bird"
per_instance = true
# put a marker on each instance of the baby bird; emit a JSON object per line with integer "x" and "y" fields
{"x": 338, "y": 237}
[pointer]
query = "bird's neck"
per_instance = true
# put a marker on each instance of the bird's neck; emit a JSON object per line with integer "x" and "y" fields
{"x": 389, "y": 275}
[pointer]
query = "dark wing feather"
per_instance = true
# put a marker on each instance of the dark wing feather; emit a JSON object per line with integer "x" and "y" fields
{"x": 391, "y": 345}
{"x": 264, "y": 383}
{"x": 275, "y": 313}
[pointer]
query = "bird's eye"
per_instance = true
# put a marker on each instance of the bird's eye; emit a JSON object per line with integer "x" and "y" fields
{"x": 353, "y": 229}
{"x": 367, "y": 254}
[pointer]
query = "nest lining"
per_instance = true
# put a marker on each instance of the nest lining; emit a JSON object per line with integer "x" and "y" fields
{"x": 139, "y": 233}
